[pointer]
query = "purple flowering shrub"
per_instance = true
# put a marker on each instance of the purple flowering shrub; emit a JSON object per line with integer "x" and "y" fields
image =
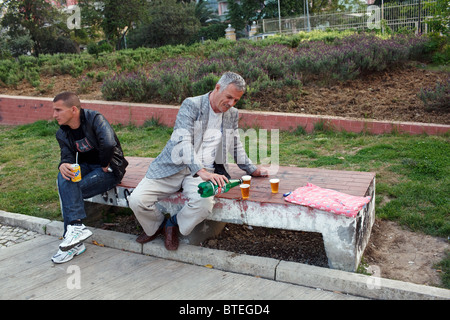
{"x": 264, "y": 66}
{"x": 437, "y": 97}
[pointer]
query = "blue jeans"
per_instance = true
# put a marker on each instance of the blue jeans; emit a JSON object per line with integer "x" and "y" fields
{"x": 72, "y": 194}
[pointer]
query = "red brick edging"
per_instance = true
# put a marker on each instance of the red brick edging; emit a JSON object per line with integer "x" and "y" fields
{"x": 16, "y": 110}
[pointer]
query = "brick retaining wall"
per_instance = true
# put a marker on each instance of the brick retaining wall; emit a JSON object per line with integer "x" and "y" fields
{"x": 16, "y": 110}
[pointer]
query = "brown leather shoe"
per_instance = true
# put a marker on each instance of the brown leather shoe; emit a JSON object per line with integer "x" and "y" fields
{"x": 171, "y": 237}
{"x": 144, "y": 238}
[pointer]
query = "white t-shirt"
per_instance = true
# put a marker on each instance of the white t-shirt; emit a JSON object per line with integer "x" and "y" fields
{"x": 211, "y": 139}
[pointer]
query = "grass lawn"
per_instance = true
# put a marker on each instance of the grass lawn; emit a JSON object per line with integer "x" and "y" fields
{"x": 412, "y": 172}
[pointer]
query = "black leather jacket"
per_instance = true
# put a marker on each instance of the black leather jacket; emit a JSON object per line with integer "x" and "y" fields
{"x": 100, "y": 135}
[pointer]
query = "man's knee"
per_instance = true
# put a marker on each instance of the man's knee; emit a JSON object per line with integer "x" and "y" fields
{"x": 134, "y": 202}
{"x": 139, "y": 203}
{"x": 203, "y": 205}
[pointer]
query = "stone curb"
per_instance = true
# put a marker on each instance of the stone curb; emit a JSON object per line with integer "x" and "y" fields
{"x": 272, "y": 269}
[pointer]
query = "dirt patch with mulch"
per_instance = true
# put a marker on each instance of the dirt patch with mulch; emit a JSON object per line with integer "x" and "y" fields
{"x": 389, "y": 95}
{"x": 400, "y": 254}
{"x": 297, "y": 246}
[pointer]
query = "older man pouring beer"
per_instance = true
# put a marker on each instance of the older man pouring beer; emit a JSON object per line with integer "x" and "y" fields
{"x": 205, "y": 131}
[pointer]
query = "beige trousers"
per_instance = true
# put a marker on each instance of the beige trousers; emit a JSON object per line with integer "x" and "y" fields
{"x": 143, "y": 202}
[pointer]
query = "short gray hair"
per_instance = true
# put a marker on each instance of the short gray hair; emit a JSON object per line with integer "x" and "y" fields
{"x": 232, "y": 78}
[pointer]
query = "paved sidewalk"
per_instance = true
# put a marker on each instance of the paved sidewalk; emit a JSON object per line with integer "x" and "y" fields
{"x": 120, "y": 268}
{"x": 26, "y": 272}
{"x": 10, "y": 235}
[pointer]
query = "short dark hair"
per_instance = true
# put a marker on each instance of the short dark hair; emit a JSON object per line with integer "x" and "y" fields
{"x": 70, "y": 99}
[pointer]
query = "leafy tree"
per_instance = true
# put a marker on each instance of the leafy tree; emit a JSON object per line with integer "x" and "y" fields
{"x": 379, "y": 2}
{"x": 15, "y": 47}
{"x": 244, "y": 12}
{"x": 351, "y": 5}
{"x": 440, "y": 22}
{"x": 212, "y": 32}
{"x": 204, "y": 14}
{"x": 119, "y": 16}
{"x": 5, "y": 52}
{"x": 211, "y": 26}
{"x": 39, "y": 20}
{"x": 113, "y": 17}
{"x": 91, "y": 17}
{"x": 169, "y": 23}
{"x": 321, "y": 6}
{"x": 235, "y": 15}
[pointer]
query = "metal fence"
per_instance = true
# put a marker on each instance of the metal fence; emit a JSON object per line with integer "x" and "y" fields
{"x": 409, "y": 15}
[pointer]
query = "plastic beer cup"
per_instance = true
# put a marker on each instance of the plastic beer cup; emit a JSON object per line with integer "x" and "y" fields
{"x": 274, "y": 183}
{"x": 245, "y": 191}
{"x": 247, "y": 180}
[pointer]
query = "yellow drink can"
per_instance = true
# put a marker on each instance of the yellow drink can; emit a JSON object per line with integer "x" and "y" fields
{"x": 76, "y": 169}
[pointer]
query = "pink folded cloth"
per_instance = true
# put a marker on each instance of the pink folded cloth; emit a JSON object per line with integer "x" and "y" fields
{"x": 328, "y": 200}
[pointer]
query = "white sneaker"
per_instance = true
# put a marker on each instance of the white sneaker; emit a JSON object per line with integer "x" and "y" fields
{"x": 64, "y": 256}
{"x": 74, "y": 235}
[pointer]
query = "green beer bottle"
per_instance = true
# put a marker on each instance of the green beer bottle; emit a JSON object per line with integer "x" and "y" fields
{"x": 208, "y": 188}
